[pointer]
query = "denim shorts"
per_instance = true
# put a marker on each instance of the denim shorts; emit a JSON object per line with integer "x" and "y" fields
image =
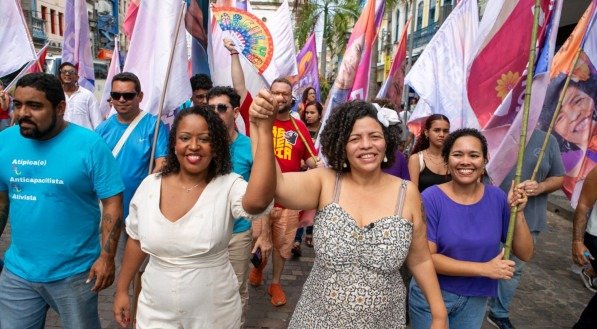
{"x": 24, "y": 304}
{"x": 463, "y": 312}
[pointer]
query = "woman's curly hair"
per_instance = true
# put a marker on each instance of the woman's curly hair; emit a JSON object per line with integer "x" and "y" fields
{"x": 338, "y": 128}
{"x": 220, "y": 147}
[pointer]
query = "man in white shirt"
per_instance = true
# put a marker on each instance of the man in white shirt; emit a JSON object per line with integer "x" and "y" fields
{"x": 81, "y": 105}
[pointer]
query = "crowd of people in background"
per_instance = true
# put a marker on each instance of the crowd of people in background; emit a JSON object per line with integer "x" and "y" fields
{"x": 185, "y": 212}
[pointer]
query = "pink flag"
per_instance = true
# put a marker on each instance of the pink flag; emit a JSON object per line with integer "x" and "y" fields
{"x": 77, "y": 45}
{"x": 367, "y": 27}
{"x": 393, "y": 87}
{"x": 130, "y": 17}
{"x": 308, "y": 73}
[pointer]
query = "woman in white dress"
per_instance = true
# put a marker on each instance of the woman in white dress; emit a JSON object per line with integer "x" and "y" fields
{"x": 183, "y": 217}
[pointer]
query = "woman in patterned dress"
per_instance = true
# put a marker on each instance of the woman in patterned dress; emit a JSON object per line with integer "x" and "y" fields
{"x": 367, "y": 224}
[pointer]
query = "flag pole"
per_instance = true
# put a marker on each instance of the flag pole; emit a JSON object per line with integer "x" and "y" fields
{"x": 411, "y": 44}
{"x": 165, "y": 89}
{"x": 555, "y": 113}
{"x": 525, "y": 123}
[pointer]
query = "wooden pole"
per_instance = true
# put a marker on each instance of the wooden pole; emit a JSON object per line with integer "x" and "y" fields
{"x": 555, "y": 113}
{"x": 165, "y": 90}
{"x": 525, "y": 123}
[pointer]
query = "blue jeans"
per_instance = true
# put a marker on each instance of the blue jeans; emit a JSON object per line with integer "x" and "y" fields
{"x": 24, "y": 304}
{"x": 463, "y": 312}
{"x": 500, "y": 305}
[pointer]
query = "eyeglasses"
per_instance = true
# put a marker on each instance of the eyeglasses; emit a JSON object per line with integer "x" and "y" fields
{"x": 127, "y": 96}
{"x": 68, "y": 72}
{"x": 220, "y": 107}
{"x": 281, "y": 93}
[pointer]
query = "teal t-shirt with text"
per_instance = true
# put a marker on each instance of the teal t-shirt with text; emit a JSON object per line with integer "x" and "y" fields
{"x": 54, "y": 187}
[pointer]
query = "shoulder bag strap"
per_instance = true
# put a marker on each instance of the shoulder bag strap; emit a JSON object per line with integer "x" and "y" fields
{"x": 127, "y": 133}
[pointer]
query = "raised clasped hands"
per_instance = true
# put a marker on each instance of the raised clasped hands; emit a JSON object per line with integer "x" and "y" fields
{"x": 263, "y": 108}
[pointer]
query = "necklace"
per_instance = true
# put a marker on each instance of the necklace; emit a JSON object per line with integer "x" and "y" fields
{"x": 435, "y": 162}
{"x": 188, "y": 189}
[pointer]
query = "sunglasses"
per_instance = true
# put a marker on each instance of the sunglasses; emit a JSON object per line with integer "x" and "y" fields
{"x": 220, "y": 107}
{"x": 127, "y": 96}
{"x": 68, "y": 72}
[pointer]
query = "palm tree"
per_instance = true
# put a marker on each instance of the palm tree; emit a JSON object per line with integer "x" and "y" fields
{"x": 338, "y": 16}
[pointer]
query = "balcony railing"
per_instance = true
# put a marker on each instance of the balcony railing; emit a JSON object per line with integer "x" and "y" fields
{"x": 421, "y": 37}
{"x": 36, "y": 26}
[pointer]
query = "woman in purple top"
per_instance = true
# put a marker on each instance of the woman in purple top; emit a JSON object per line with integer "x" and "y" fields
{"x": 466, "y": 222}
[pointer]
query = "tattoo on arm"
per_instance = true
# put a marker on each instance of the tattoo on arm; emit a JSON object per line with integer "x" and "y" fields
{"x": 114, "y": 226}
{"x": 579, "y": 224}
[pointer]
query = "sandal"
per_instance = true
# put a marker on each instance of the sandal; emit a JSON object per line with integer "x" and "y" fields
{"x": 309, "y": 240}
{"x": 296, "y": 249}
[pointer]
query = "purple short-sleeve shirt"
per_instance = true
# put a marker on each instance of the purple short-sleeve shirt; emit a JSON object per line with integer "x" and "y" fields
{"x": 468, "y": 233}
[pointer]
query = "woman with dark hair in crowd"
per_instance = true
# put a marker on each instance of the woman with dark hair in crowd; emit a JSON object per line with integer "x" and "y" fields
{"x": 183, "y": 218}
{"x": 466, "y": 223}
{"x": 425, "y": 165}
{"x": 309, "y": 95}
{"x": 311, "y": 116}
{"x": 367, "y": 224}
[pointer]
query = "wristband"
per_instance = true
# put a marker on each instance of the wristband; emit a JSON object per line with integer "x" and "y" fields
{"x": 234, "y": 53}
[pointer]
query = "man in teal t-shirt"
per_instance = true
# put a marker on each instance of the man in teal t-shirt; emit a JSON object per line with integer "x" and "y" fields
{"x": 225, "y": 102}
{"x": 52, "y": 174}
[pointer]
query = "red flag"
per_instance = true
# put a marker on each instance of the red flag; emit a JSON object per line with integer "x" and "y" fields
{"x": 498, "y": 68}
{"x": 40, "y": 60}
{"x": 394, "y": 85}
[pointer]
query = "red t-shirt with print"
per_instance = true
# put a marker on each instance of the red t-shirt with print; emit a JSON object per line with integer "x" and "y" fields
{"x": 289, "y": 147}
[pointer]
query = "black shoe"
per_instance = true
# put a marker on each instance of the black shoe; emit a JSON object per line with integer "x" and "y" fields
{"x": 501, "y": 323}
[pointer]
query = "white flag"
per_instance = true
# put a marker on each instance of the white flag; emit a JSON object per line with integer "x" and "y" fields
{"x": 149, "y": 52}
{"x": 439, "y": 74}
{"x": 280, "y": 27}
{"x": 17, "y": 49}
{"x": 114, "y": 69}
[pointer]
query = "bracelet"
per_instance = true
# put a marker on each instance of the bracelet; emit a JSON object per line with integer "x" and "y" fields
{"x": 577, "y": 241}
{"x": 234, "y": 53}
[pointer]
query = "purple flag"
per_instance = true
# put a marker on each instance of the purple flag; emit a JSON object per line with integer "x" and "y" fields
{"x": 308, "y": 74}
{"x": 77, "y": 45}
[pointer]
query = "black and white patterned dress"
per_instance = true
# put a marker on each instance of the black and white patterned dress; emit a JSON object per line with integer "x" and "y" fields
{"x": 355, "y": 281}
